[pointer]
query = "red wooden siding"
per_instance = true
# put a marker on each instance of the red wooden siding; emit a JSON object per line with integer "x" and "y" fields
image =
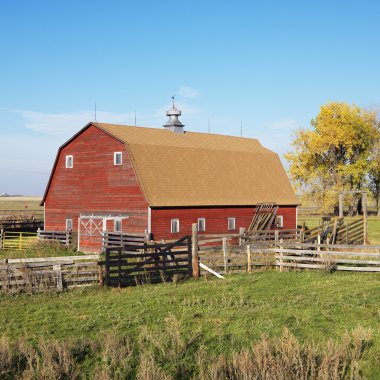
{"x": 216, "y": 219}
{"x": 95, "y": 185}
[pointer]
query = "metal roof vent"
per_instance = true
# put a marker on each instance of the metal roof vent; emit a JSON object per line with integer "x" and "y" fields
{"x": 173, "y": 124}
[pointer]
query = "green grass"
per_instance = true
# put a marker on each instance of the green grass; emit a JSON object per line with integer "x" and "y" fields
{"x": 41, "y": 249}
{"x": 373, "y": 225}
{"x": 227, "y": 315}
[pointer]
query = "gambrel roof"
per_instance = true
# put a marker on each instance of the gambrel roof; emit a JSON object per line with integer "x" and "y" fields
{"x": 199, "y": 169}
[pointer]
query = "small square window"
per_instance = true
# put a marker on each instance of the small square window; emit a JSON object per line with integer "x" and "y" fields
{"x": 174, "y": 226}
{"x": 117, "y": 158}
{"x": 231, "y": 223}
{"x": 69, "y": 162}
{"x": 69, "y": 224}
{"x": 117, "y": 225}
{"x": 279, "y": 221}
{"x": 201, "y": 224}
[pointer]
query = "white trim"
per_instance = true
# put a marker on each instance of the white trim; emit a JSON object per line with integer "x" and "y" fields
{"x": 149, "y": 220}
{"x": 204, "y": 224}
{"x": 44, "y": 215}
{"x": 117, "y": 220}
{"x": 228, "y": 223}
{"x": 171, "y": 225}
{"x": 69, "y": 156}
{"x": 78, "y": 234}
{"x": 115, "y": 154}
{"x": 71, "y": 222}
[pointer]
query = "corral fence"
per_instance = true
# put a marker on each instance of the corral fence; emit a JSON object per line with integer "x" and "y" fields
{"x": 12, "y": 240}
{"x": 41, "y": 274}
{"x": 61, "y": 237}
{"x": 225, "y": 257}
{"x": 21, "y": 225}
{"x": 153, "y": 263}
{"x": 119, "y": 239}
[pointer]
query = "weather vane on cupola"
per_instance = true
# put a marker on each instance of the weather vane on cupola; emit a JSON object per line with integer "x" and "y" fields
{"x": 173, "y": 124}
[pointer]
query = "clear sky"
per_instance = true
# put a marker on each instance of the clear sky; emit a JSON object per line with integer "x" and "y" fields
{"x": 267, "y": 64}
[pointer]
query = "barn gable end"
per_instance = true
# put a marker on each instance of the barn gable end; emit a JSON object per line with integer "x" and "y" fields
{"x": 94, "y": 185}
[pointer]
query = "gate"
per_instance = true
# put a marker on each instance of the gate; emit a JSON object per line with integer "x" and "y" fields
{"x": 152, "y": 264}
{"x": 17, "y": 240}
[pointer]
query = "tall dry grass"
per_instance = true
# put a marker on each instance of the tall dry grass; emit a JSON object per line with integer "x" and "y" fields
{"x": 173, "y": 353}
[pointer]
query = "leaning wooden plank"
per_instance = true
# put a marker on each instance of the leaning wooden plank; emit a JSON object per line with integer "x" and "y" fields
{"x": 206, "y": 268}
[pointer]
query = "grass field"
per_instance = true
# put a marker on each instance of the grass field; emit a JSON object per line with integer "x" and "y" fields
{"x": 215, "y": 317}
{"x": 373, "y": 225}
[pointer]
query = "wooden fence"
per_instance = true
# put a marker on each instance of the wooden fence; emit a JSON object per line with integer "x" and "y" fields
{"x": 42, "y": 274}
{"x": 154, "y": 263}
{"x": 118, "y": 239}
{"x": 291, "y": 256}
{"x": 62, "y": 237}
{"x": 31, "y": 225}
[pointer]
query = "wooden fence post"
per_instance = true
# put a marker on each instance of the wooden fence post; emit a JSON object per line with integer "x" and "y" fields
{"x": 241, "y": 233}
{"x": 1, "y": 239}
{"x": 340, "y": 205}
{"x": 225, "y": 253}
{"x": 281, "y": 254}
{"x": 249, "y": 265}
{"x": 58, "y": 271}
{"x": 365, "y": 225}
{"x": 276, "y": 236}
{"x": 194, "y": 249}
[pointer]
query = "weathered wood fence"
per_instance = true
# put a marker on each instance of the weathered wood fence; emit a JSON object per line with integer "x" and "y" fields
{"x": 229, "y": 258}
{"x": 25, "y": 225}
{"x": 61, "y": 237}
{"x": 119, "y": 239}
{"x": 41, "y": 274}
{"x": 154, "y": 263}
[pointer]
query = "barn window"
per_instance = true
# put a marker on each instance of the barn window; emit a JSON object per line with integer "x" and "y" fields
{"x": 279, "y": 221}
{"x": 117, "y": 227}
{"x": 174, "y": 226}
{"x": 201, "y": 224}
{"x": 231, "y": 223}
{"x": 69, "y": 161}
{"x": 69, "y": 224}
{"x": 117, "y": 158}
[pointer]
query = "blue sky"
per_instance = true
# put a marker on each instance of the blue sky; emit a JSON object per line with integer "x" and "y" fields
{"x": 269, "y": 64}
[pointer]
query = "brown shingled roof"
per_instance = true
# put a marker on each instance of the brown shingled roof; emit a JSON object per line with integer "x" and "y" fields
{"x": 199, "y": 169}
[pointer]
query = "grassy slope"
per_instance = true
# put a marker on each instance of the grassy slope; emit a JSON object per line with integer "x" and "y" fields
{"x": 18, "y": 203}
{"x": 229, "y": 314}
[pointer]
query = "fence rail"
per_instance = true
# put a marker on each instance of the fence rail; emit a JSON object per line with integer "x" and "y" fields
{"x": 155, "y": 263}
{"x": 118, "y": 239}
{"x": 42, "y": 274}
{"x": 63, "y": 237}
{"x": 17, "y": 240}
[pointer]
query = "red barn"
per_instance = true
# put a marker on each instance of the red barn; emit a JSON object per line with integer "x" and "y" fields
{"x": 160, "y": 181}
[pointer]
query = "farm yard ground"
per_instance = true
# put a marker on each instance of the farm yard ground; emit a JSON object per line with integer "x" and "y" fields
{"x": 373, "y": 225}
{"x": 211, "y": 316}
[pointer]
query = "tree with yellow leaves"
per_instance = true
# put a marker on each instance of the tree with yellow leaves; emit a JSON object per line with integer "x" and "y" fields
{"x": 335, "y": 154}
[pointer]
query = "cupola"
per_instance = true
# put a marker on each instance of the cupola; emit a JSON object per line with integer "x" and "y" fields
{"x": 173, "y": 124}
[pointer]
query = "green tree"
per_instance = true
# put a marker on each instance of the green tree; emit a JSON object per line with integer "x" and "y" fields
{"x": 335, "y": 154}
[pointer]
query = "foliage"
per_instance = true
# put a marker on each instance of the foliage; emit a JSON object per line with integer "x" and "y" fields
{"x": 181, "y": 357}
{"x": 335, "y": 153}
{"x": 197, "y": 320}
